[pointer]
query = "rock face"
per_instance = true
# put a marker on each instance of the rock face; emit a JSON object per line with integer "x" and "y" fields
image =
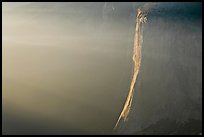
{"x": 168, "y": 91}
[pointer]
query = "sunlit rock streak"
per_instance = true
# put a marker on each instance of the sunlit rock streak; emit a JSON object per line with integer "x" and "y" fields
{"x": 138, "y": 39}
